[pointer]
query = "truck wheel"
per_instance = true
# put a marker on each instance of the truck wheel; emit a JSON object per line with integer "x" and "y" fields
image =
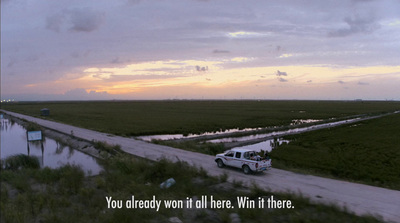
{"x": 220, "y": 163}
{"x": 246, "y": 169}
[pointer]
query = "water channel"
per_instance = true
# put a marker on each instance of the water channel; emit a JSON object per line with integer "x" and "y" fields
{"x": 50, "y": 152}
{"x": 272, "y": 139}
{"x": 266, "y": 145}
{"x": 149, "y": 138}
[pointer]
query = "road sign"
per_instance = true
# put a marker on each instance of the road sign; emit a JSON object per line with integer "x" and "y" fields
{"x": 34, "y": 135}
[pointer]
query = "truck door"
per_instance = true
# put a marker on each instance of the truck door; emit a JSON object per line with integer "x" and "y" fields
{"x": 229, "y": 158}
{"x": 237, "y": 160}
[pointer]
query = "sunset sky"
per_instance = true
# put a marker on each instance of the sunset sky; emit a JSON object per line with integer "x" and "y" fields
{"x": 200, "y": 49}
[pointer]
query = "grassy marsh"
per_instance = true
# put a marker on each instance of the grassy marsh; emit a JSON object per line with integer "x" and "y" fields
{"x": 133, "y": 118}
{"x": 368, "y": 152}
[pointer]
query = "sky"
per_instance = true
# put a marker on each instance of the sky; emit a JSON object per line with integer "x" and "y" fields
{"x": 200, "y": 49}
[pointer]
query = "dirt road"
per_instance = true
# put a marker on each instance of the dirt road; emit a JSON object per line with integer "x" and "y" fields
{"x": 358, "y": 198}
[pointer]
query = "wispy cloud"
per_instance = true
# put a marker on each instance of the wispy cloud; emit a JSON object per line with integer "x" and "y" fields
{"x": 285, "y": 55}
{"x": 77, "y": 19}
{"x": 282, "y": 79}
{"x": 221, "y": 51}
{"x": 356, "y": 24}
{"x": 246, "y": 34}
{"x": 279, "y": 73}
{"x": 362, "y": 83}
{"x": 201, "y": 69}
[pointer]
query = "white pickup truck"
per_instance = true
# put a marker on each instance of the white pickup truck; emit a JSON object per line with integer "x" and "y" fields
{"x": 246, "y": 159}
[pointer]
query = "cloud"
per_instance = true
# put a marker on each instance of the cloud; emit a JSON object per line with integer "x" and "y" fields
{"x": 279, "y": 73}
{"x": 132, "y": 2}
{"x": 77, "y": 92}
{"x": 341, "y": 82}
{"x": 85, "y": 20}
{"x": 356, "y": 25}
{"x": 221, "y": 51}
{"x": 356, "y": 1}
{"x": 55, "y": 22}
{"x": 125, "y": 78}
{"x": 362, "y": 83}
{"x": 282, "y": 79}
{"x": 77, "y": 20}
{"x": 82, "y": 94}
{"x": 11, "y": 63}
{"x": 118, "y": 60}
{"x": 5, "y": 1}
{"x": 245, "y": 34}
{"x": 285, "y": 55}
{"x": 202, "y": 69}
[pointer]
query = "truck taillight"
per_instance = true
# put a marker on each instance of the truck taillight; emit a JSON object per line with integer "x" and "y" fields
{"x": 256, "y": 165}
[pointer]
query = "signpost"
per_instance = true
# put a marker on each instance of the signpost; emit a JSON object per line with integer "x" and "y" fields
{"x": 34, "y": 135}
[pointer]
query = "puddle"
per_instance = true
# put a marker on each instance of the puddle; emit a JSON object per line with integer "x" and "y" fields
{"x": 50, "y": 153}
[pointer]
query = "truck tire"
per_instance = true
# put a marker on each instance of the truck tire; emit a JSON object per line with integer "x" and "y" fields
{"x": 220, "y": 163}
{"x": 246, "y": 169}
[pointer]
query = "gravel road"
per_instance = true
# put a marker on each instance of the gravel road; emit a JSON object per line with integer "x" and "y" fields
{"x": 358, "y": 198}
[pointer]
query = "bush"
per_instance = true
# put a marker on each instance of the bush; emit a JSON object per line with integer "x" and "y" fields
{"x": 19, "y": 161}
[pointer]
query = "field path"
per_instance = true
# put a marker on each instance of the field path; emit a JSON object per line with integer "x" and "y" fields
{"x": 358, "y": 198}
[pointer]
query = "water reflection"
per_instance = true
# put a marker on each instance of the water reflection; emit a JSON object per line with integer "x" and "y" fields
{"x": 266, "y": 145}
{"x": 50, "y": 153}
{"x": 303, "y": 121}
{"x": 284, "y": 132}
{"x": 181, "y": 136}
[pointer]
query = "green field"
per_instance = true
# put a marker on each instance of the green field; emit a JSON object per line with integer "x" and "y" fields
{"x": 368, "y": 151}
{"x": 133, "y": 118}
